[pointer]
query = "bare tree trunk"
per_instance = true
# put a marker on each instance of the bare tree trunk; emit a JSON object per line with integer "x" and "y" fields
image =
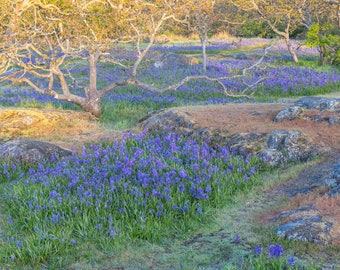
{"x": 92, "y": 106}
{"x": 323, "y": 56}
{"x": 204, "y": 53}
{"x": 291, "y": 49}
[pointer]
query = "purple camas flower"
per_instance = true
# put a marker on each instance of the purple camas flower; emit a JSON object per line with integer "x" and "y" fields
{"x": 112, "y": 232}
{"x": 258, "y": 250}
{"x": 185, "y": 208}
{"x": 291, "y": 261}
{"x": 18, "y": 243}
{"x": 237, "y": 238}
{"x": 73, "y": 242}
{"x": 199, "y": 210}
{"x": 276, "y": 251}
{"x": 55, "y": 218}
{"x": 9, "y": 220}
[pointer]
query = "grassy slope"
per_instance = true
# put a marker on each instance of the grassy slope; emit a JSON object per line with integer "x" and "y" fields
{"x": 213, "y": 245}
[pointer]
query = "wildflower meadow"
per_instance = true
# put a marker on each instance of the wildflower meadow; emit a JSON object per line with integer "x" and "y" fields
{"x": 145, "y": 187}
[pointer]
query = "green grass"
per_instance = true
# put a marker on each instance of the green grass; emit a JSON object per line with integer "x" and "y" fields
{"x": 209, "y": 244}
{"x": 307, "y": 62}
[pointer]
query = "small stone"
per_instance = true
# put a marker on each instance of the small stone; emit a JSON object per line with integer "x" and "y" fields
{"x": 334, "y": 120}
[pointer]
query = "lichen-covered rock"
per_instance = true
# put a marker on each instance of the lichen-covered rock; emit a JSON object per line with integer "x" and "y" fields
{"x": 246, "y": 143}
{"x": 311, "y": 103}
{"x": 284, "y": 145}
{"x": 288, "y": 114}
{"x": 304, "y": 225}
{"x": 279, "y": 139}
{"x": 29, "y": 151}
{"x": 272, "y": 157}
{"x": 319, "y": 103}
{"x": 241, "y": 56}
{"x": 171, "y": 120}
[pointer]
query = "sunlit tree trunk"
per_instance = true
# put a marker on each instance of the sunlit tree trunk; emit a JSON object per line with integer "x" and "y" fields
{"x": 291, "y": 49}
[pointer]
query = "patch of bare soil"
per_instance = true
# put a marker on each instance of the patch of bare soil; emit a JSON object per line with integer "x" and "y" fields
{"x": 238, "y": 118}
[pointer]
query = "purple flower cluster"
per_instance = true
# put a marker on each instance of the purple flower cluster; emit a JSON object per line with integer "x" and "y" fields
{"x": 276, "y": 251}
{"x": 294, "y": 79}
{"x": 119, "y": 188}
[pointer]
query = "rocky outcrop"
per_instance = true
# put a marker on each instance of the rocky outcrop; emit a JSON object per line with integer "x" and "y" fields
{"x": 305, "y": 226}
{"x": 273, "y": 148}
{"x": 287, "y": 146}
{"x": 321, "y": 104}
{"x": 288, "y": 114}
{"x": 312, "y": 222}
{"x": 29, "y": 151}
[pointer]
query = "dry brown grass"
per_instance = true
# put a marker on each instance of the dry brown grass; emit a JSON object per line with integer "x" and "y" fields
{"x": 258, "y": 117}
{"x": 69, "y": 129}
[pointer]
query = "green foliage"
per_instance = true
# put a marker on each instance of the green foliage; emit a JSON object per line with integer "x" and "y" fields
{"x": 327, "y": 41}
{"x": 256, "y": 29}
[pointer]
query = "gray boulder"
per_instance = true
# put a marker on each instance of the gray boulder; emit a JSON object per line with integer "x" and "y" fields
{"x": 284, "y": 145}
{"x": 288, "y": 114}
{"x": 302, "y": 224}
{"x": 30, "y": 151}
{"x": 319, "y": 103}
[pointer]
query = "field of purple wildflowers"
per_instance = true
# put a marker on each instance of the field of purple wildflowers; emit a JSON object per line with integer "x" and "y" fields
{"x": 280, "y": 79}
{"x": 144, "y": 187}
{"x": 140, "y": 187}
